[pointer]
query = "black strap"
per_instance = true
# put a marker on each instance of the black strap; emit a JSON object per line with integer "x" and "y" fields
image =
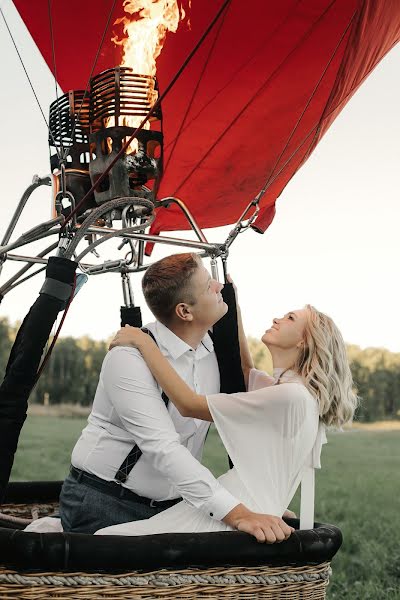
{"x": 227, "y": 348}
{"x": 135, "y": 453}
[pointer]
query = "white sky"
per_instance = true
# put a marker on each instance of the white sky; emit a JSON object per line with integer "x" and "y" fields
{"x": 334, "y": 242}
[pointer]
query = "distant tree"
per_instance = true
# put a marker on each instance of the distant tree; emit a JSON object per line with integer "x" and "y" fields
{"x": 376, "y": 375}
{"x": 5, "y": 342}
{"x": 261, "y": 355}
{"x": 72, "y": 372}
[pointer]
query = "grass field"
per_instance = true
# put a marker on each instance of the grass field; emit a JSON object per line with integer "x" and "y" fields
{"x": 358, "y": 490}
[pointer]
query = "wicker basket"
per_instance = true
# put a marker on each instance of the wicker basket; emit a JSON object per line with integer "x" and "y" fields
{"x": 190, "y": 566}
{"x": 261, "y": 583}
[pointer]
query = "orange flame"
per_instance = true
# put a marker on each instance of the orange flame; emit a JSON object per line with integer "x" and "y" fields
{"x": 146, "y": 29}
{"x": 146, "y": 32}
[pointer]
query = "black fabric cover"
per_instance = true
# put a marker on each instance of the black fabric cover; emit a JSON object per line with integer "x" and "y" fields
{"x": 227, "y": 349}
{"x": 131, "y": 315}
{"x": 80, "y": 552}
{"x": 32, "y": 492}
{"x": 226, "y": 345}
{"x": 23, "y": 363}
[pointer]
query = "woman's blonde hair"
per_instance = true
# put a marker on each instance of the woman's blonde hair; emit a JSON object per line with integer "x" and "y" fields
{"x": 323, "y": 364}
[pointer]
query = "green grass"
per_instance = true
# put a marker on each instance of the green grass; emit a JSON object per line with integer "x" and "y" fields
{"x": 358, "y": 489}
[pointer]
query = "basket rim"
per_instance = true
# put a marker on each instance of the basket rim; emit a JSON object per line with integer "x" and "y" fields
{"x": 74, "y": 552}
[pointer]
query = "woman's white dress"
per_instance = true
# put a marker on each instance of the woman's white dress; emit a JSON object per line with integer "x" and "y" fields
{"x": 272, "y": 433}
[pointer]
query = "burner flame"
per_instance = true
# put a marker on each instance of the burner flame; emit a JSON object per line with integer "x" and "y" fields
{"x": 146, "y": 28}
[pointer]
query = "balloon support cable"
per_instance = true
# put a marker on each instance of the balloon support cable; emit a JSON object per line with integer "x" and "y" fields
{"x": 88, "y": 132}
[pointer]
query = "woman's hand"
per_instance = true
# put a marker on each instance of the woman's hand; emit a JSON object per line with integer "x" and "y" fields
{"x": 185, "y": 399}
{"x": 130, "y": 336}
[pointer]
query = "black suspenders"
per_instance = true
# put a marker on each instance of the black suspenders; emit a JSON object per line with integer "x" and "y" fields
{"x": 135, "y": 453}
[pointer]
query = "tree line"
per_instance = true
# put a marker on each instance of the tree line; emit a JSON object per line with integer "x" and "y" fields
{"x": 71, "y": 374}
{"x": 376, "y": 375}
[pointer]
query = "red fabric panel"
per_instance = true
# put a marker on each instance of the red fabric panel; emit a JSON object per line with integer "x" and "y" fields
{"x": 78, "y": 27}
{"x": 376, "y": 30}
{"x": 277, "y": 76}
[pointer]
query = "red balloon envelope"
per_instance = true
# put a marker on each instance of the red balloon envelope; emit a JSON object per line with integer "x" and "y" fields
{"x": 254, "y": 101}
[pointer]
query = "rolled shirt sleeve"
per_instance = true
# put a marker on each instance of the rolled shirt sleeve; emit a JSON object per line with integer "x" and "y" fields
{"x": 137, "y": 402}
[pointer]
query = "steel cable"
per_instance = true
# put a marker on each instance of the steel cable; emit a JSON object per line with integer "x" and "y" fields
{"x": 251, "y": 100}
{"x": 93, "y": 68}
{"x": 100, "y": 211}
{"x": 153, "y": 109}
{"x": 30, "y": 83}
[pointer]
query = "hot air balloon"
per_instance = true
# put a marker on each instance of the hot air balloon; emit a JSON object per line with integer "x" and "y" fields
{"x": 241, "y": 97}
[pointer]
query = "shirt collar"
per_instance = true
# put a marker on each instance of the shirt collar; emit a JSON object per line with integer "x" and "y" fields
{"x": 176, "y": 347}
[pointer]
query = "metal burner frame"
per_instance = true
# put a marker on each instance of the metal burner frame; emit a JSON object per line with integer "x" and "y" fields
{"x": 120, "y": 265}
{"x": 69, "y": 127}
{"x": 117, "y": 95}
{"x": 80, "y": 126}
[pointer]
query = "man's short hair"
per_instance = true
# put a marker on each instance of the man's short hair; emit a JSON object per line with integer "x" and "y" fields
{"x": 167, "y": 282}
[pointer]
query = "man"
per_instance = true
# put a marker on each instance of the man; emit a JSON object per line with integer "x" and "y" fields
{"x": 104, "y": 486}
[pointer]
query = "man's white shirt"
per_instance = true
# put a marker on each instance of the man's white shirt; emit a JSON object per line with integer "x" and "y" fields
{"x": 128, "y": 409}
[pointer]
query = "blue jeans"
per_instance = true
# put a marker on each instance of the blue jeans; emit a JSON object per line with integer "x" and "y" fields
{"x": 84, "y": 509}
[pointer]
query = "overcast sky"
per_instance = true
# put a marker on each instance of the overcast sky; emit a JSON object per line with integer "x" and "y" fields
{"x": 334, "y": 242}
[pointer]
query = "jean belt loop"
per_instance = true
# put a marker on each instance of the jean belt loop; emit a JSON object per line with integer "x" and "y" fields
{"x": 121, "y": 491}
{"x": 80, "y": 475}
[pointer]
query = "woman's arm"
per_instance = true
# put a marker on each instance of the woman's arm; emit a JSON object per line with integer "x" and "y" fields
{"x": 245, "y": 356}
{"x": 185, "y": 399}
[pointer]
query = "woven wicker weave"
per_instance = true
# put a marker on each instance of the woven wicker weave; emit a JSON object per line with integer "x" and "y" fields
{"x": 294, "y": 581}
{"x": 255, "y": 583}
{"x": 31, "y": 510}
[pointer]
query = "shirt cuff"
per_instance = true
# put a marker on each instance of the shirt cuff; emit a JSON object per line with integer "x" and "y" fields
{"x": 220, "y": 504}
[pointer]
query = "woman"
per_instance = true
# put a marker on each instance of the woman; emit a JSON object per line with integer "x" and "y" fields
{"x": 273, "y": 431}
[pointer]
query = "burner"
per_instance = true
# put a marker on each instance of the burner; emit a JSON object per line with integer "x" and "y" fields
{"x": 120, "y": 99}
{"x": 69, "y": 126}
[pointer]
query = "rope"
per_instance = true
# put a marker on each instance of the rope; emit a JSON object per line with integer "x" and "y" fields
{"x": 308, "y": 103}
{"x": 49, "y": 351}
{"x": 338, "y": 74}
{"x": 163, "y": 579}
{"x": 264, "y": 42}
{"x": 92, "y": 70}
{"x": 53, "y": 52}
{"x": 118, "y": 233}
{"x": 106, "y": 207}
{"x": 32, "y": 234}
{"x": 11, "y": 287}
{"x": 5, "y": 287}
{"x": 28, "y": 78}
{"x": 245, "y": 107}
{"x": 313, "y": 129}
{"x": 15, "y": 520}
{"x": 152, "y": 110}
{"x": 189, "y": 105}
